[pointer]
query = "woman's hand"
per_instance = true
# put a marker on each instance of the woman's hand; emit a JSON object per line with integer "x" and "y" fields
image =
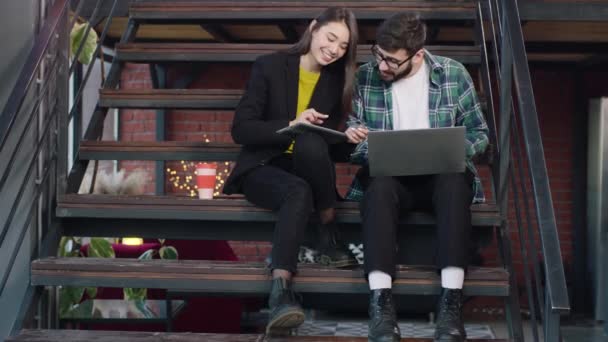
{"x": 309, "y": 116}
{"x": 356, "y": 135}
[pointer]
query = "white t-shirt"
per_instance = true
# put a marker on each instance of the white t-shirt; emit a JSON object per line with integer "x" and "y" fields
{"x": 411, "y": 101}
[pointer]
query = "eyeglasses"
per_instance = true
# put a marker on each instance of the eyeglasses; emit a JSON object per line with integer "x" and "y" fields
{"x": 390, "y": 62}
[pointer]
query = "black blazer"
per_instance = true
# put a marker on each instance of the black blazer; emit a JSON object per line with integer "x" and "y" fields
{"x": 269, "y": 103}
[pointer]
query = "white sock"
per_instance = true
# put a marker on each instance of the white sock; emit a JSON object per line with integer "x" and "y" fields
{"x": 379, "y": 280}
{"x": 452, "y": 277}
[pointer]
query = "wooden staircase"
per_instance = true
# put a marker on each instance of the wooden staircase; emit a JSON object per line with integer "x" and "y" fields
{"x": 226, "y": 218}
{"x": 127, "y": 336}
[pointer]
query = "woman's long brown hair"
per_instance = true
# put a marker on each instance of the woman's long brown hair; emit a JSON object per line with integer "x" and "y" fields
{"x": 349, "y": 60}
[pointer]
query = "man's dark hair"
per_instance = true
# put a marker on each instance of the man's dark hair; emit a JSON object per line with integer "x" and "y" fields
{"x": 401, "y": 31}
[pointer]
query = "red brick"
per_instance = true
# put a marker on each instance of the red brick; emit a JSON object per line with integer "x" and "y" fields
{"x": 184, "y": 127}
{"x": 133, "y": 126}
{"x": 221, "y": 126}
{"x": 126, "y": 115}
{"x": 195, "y": 137}
{"x": 144, "y": 114}
{"x": 150, "y": 125}
{"x": 126, "y": 136}
{"x": 146, "y": 136}
{"x": 183, "y": 115}
{"x": 176, "y": 137}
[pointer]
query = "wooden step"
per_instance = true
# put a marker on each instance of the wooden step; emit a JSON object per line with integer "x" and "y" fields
{"x": 179, "y": 150}
{"x": 246, "y": 277}
{"x": 217, "y": 219}
{"x": 133, "y": 336}
{"x": 170, "y": 98}
{"x": 286, "y": 10}
{"x": 226, "y": 99}
{"x": 163, "y": 150}
{"x": 210, "y": 52}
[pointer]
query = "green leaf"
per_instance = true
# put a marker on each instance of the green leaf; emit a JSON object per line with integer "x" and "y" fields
{"x": 76, "y": 38}
{"x": 162, "y": 241}
{"x": 135, "y": 294}
{"x": 101, "y": 248}
{"x": 91, "y": 292}
{"x": 147, "y": 255}
{"x": 168, "y": 252}
{"x": 68, "y": 297}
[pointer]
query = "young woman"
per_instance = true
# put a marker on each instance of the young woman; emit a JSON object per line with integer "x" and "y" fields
{"x": 310, "y": 83}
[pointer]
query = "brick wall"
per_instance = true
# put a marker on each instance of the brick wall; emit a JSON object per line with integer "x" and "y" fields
{"x": 554, "y": 91}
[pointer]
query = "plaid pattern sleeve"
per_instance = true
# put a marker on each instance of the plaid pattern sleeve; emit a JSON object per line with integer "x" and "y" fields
{"x": 471, "y": 116}
{"x": 452, "y": 102}
{"x": 369, "y": 107}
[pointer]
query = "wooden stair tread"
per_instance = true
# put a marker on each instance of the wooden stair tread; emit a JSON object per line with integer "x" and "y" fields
{"x": 136, "y": 336}
{"x": 226, "y": 52}
{"x": 221, "y": 93}
{"x": 170, "y": 98}
{"x": 214, "y": 10}
{"x": 221, "y": 209}
{"x": 178, "y": 98}
{"x": 162, "y": 150}
{"x": 176, "y": 150}
{"x": 244, "y": 277}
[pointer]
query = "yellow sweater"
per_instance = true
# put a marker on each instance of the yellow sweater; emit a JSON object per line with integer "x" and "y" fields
{"x": 306, "y": 86}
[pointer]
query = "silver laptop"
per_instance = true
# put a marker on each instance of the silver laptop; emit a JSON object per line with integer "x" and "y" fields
{"x": 416, "y": 151}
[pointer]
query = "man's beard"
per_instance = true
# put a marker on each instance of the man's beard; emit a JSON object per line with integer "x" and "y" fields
{"x": 404, "y": 73}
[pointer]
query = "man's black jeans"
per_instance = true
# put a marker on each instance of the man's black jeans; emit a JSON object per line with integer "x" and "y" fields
{"x": 387, "y": 199}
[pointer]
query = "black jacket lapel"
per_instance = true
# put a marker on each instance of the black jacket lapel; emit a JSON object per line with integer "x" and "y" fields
{"x": 292, "y": 75}
{"x": 323, "y": 92}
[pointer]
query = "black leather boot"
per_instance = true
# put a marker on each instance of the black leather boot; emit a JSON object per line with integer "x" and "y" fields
{"x": 382, "y": 318}
{"x": 449, "y": 317}
{"x": 285, "y": 310}
{"x": 333, "y": 252}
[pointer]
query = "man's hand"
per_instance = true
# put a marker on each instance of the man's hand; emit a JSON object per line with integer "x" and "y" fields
{"x": 309, "y": 116}
{"x": 356, "y": 135}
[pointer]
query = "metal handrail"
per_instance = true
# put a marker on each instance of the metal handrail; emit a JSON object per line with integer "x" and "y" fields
{"x": 494, "y": 10}
{"x": 30, "y": 68}
{"x": 43, "y": 92}
{"x": 555, "y": 283}
{"x": 29, "y": 169}
{"x": 15, "y": 252}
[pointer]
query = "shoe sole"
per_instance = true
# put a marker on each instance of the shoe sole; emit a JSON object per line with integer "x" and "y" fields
{"x": 284, "y": 323}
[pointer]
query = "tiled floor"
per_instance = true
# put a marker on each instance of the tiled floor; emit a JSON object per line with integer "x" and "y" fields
{"x": 408, "y": 329}
{"x": 319, "y": 324}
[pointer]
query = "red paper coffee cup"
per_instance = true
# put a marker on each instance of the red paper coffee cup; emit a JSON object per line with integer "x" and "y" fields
{"x": 205, "y": 179}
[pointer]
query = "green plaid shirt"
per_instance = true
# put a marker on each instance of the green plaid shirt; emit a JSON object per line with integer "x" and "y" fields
{"x": 452, "y": 102}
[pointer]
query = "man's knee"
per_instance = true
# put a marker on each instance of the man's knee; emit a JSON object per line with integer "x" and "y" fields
{"x": 381, "y": 190}
{"x": 452, "y": 182}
